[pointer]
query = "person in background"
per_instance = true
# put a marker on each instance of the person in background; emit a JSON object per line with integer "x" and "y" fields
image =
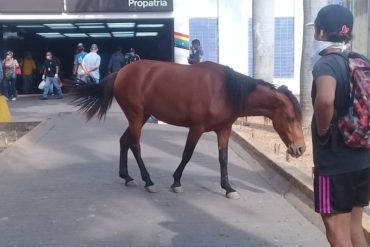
{"x": 53, "y": 90}
{"x": 1, "y": 79}
{"x": 116, "y": 61}
{"x": 341, "y": 173}
{"x": 77, "y": 64}
{"x": 51, "y": 77}
{"x": 28, "y": 67}
{"x": 195, "y": 52}
{"x": 131, "y": 56}
{"x": 90, "y": 65}
{"x": 10, "y": 65}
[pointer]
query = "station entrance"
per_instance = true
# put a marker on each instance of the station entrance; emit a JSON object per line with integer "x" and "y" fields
{"x": 151, "y": 38}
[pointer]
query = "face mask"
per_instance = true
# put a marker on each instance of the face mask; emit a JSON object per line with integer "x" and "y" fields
{"x": 8, "y": 56}
{"x": 48, "y": 57}
{"x": 319, "y": 46}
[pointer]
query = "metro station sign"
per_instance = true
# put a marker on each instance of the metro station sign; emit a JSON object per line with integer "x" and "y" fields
{"x": 82, "y": 6}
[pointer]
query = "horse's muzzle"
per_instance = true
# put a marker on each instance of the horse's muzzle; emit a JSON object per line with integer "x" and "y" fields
{"x": 296, "y": 150}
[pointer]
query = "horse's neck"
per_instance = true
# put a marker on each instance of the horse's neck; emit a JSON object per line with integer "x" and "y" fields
{"x": 263, "y": 101}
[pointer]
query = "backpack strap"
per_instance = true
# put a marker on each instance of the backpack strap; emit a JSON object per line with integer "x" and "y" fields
{"x": 339, "y": 57}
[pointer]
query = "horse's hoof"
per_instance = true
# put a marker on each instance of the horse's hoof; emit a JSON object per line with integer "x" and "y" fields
{"x": 131, "y": 183}
{"x": 178, "y": 189}
{"x": 151, "y": 189}
{"x": 233, "y": 195}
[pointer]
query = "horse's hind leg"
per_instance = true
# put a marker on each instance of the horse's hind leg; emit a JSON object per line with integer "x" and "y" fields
{"x": 223, "y": 141}
{"x": 135, "y": 131}
{"x": 124, "y": 146}
{"x": 191, "y": 142}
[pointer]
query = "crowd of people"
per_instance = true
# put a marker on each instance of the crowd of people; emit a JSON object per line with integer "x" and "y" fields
{"x": 86, "y": 68}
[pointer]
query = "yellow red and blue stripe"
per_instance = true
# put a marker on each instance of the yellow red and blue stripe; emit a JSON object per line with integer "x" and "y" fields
{"x": 181, "y": 40}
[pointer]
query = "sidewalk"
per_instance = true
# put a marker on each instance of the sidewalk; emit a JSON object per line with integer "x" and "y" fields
{"x": 260, "y": 138}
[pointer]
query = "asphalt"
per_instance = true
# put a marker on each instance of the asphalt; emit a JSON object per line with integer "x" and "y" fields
{"x": 59, "y": 186}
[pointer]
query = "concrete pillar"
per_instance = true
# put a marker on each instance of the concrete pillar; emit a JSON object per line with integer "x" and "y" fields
{"x": 310, "y": 9}
{"x": 263, "y": 39}
{"x": 360, "y": 10}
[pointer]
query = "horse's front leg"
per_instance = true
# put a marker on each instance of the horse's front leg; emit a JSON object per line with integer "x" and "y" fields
{"x": 223, "y": 141}
{"x": 192, "y": 140}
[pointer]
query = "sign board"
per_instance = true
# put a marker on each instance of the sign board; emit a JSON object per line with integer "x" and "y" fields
{"x": 82, "y": 6}
{"x": 31, "y": 6}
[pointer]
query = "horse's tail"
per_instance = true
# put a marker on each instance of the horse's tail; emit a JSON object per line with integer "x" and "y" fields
{"x": 95, "y": 99}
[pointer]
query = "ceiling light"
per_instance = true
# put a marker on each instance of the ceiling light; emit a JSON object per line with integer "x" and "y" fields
{"x": 51, "y": 35}
{"x": 121, "y": 25}
{"x": 146, "y": 34}
{"x": 123, "y": 34}
{"x": 30, "y": 26}
{"x": 63, "y": 27}
{"x": 150, "y": 25}
{"x": 100, "y": 35}
{"x": 59, "y": 25}
{"x": 92, "y": 27}
{"x": 88, "y": 24}
{"x": 48, "y": 33}
{"x": 76, "y": 35}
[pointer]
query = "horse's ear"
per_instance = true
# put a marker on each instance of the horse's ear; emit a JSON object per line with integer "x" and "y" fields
{"x": 283, "y": 88}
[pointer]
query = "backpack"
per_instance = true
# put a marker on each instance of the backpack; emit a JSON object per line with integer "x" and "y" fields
{"x": 354, "y": 125}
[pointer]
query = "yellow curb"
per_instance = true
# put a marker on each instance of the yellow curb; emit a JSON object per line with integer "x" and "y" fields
{"x": 5, "y": 115}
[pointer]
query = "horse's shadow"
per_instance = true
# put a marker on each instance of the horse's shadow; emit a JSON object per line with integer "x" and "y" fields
{"x": 241, "y": 177}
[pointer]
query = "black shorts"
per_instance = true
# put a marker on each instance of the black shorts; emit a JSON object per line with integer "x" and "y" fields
{"x": 339, "y": 193}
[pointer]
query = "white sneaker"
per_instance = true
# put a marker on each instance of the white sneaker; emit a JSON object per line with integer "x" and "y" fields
{"x": 14, "y": 99}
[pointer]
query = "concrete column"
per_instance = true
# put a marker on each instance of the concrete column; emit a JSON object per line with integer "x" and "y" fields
{"x": 263, "y": 39}
{"x": 310, "y": 9}
{"x": 360, "y": 10}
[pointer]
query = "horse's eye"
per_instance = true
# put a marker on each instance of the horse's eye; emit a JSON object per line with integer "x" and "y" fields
{"x": 291, "y": 119}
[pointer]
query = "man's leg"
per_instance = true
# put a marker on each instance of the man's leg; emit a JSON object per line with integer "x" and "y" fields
{"x": 46, "y": 88}
{"x": 56, "y": 83}
{"x": 357, "y": 232}
{"x": 338, "y": 229}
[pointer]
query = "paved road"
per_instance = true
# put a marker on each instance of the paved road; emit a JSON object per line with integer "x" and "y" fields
{"x": 60, "y": 187}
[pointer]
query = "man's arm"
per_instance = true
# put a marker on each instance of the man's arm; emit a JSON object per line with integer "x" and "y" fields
{"x": 84, "y": 67}
{"x": 324, "y": 103}
{"x": 75, "y": 65}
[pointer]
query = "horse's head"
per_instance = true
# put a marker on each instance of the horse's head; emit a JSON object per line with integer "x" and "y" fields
{"x": 287, "y": 121}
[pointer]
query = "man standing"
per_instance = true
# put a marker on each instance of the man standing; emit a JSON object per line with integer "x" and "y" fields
{"x": 90, "y": 65}
{"x": 196, "y": 52}
{"x": 28, "y": 67}
{"x": 131, "y": 56}
{"x": 77, "y": 64}
{"x": 117, "y": 60}
{"x": 51, "y": 77}
{"x": 341, "y": 173}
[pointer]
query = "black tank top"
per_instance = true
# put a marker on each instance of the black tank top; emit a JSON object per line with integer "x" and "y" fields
{"x": 330, "y": 155}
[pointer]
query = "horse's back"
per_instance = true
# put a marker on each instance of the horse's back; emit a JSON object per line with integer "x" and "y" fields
{"x": 178, "y": 94}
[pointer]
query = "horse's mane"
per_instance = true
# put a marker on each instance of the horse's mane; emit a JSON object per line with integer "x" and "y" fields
{"x": 239, "y": 86}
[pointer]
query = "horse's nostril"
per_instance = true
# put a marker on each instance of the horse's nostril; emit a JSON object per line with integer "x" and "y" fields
{"x": 301, "y": 150}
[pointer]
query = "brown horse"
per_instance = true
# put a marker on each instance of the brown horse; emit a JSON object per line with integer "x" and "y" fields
{"x": 203, "y": 97}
